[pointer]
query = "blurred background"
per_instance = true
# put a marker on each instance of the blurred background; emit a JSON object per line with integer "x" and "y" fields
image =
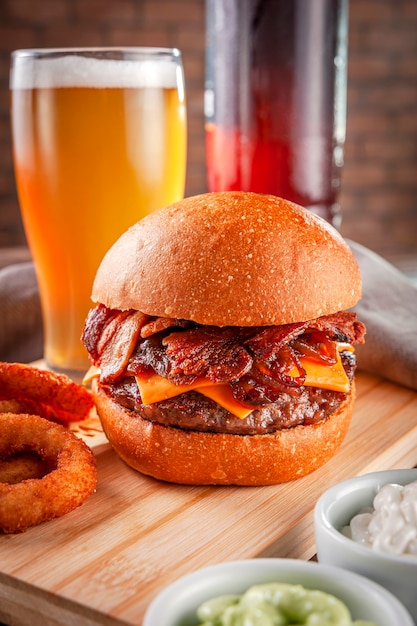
{"x": 379, "y": 185}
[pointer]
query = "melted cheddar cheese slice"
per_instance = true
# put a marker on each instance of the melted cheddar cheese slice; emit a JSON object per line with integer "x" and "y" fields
{"x": 325, "y": 376}
{"x": 154, "y": 388}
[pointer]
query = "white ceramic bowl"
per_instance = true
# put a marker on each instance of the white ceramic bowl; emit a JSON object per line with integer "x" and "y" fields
{"x": 177, "y": 604}
{"x": 334, "y": 510}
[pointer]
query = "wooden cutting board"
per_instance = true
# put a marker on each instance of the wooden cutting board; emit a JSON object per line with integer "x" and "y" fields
{"x": 104, "y": 562}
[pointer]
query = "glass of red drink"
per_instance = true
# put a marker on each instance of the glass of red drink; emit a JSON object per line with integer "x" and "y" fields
{"x": 275, "y": 99}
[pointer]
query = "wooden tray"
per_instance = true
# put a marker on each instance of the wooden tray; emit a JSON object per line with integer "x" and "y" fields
{"x": 104, "y": 562}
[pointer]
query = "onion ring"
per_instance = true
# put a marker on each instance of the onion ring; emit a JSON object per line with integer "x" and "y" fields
{"x": 54, "y": 396}
{"x": 72, "y": 479}
{"x": 21, "y": 466}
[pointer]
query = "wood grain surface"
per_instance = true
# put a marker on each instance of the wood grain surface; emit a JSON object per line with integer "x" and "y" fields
{"x": 104, "y": 562}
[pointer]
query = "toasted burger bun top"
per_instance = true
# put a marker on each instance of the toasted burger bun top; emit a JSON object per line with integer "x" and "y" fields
{"x": 230, "y": 259}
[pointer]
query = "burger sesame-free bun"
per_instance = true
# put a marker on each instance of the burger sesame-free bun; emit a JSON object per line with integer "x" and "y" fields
{"x": 204, "y": 458}
{"x": 230, "y": 258}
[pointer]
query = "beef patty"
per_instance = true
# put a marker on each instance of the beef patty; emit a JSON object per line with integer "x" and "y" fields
{"x": 193, "y": 411}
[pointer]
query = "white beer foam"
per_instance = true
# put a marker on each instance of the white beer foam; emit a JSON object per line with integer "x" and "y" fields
{"x": 79, "y": 71}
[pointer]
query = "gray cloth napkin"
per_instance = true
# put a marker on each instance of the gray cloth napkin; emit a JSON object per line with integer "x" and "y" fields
{"x": 389, "y": 310}
{"x": 21, "y": 334}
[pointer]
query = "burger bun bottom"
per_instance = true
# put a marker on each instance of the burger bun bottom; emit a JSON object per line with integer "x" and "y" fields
{"x": 203, "y": 458}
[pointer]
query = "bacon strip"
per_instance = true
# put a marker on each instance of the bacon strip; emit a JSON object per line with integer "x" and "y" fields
{"x": 212, "y": 352}
{"x": 258, "y": 362}
{"x": 94, "y": 327}
{"x": 341, "y": 326}
{"x": 119, "y": 348}
{"x": 162, "y": 323}
{"x": 110, "y": 337}
{"x": 269, "y": 341}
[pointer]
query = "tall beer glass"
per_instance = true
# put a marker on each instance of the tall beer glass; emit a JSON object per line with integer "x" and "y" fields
{"x": 99, "y": 140}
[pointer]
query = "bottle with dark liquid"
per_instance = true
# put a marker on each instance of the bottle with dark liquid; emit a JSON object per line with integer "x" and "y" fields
{"x": 275, "y": 99}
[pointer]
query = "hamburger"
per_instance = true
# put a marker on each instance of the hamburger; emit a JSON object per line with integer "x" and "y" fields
{"x": 221, "y": 346}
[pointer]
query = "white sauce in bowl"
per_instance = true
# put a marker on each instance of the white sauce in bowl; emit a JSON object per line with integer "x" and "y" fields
{"x": 391, "y": 525}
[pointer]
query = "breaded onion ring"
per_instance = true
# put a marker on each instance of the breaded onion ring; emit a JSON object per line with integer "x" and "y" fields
{"x": 72, "y": 479}
{"x": 21, "y": 466}
{"x": 54, "y": 396}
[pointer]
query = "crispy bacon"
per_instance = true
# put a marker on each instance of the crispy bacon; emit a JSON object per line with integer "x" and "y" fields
{"x": 110, "y": 337}
{"x": 117, "y": 351}
{"x": 341, "y": 326}
{"x": 268, "y": 342}
{"x": 156, "y": 324}
{"x": 259, "y": 363}
{"x": 149, "y": 355}
{"x": 94, "y": 327}
{"x": 208, "y": 351}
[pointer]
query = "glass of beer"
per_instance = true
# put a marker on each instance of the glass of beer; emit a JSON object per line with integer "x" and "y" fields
{"x": 99, "y": 141}
{"x": 275, "y": 99}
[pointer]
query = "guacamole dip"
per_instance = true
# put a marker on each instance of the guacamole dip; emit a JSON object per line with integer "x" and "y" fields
{"x": 277, "y": 604}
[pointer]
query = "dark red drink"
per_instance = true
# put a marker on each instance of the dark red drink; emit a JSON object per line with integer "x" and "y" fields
{"x": 275, "y": 99}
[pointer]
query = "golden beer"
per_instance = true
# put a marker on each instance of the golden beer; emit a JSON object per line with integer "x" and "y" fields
{"x": 92, "y": 155}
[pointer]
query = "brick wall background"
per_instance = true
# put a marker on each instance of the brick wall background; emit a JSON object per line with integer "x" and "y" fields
{"x": 380, "y": 175}
{"x": 379, "y": 197}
